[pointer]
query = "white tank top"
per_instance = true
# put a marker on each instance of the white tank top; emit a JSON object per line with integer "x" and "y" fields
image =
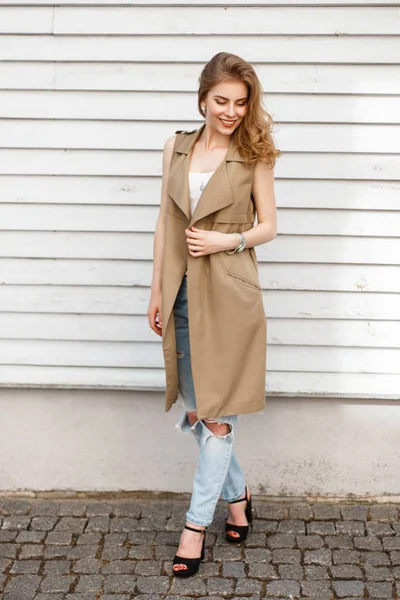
{"x": 197, "y": 183}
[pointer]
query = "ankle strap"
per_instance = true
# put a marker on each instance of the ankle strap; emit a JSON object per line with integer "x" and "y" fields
{"x": 196, "y": 530}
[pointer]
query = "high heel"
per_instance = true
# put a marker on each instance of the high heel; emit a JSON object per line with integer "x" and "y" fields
{"x": 192, "y": 564}
{"x": 242, "y": 530}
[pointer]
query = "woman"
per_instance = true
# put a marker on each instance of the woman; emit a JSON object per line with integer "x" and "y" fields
{"x": 206, "y": 299}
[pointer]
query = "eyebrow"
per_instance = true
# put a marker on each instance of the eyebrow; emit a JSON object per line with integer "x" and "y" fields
{"x": 223, "y": 97}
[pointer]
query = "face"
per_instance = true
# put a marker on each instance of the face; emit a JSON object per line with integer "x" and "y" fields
{"x": 226, "y": 105}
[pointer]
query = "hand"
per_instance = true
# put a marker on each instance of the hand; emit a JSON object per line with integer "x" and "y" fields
{"x": 202, "y": 242}
{"x": 154, "y": 313}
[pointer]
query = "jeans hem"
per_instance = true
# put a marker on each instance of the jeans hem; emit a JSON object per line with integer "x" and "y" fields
{"x": 235, "y": 497}
{"x": 197, "y": 522}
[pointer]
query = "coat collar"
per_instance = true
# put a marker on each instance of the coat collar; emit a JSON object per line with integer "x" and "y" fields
{"x": 218, "y": 192}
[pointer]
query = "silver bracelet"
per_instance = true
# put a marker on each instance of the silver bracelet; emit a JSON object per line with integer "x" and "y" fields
{"x": 241, "y": 245}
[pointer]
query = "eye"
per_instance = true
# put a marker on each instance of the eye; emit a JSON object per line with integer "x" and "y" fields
{"x": 219, "y": 102}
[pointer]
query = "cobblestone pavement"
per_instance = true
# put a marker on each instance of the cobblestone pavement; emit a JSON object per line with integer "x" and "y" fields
{"x": 88, "y": 549}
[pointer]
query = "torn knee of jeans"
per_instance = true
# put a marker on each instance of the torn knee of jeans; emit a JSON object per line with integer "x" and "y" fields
{"x": 215, "y": 430}
{"x": 180, "y": 354}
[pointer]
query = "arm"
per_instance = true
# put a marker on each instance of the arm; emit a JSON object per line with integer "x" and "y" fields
{"x": 154, "y": 309}
{"x": 266, "y": 229}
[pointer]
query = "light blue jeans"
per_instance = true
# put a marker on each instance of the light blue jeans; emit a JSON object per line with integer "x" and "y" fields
{"x": 218, "y": 472}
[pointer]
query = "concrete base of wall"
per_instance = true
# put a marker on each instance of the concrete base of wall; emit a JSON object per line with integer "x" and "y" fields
{"x": 124, "y": 441}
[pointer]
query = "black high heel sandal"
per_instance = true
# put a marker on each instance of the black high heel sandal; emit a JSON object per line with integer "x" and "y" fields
{"x": 242, "y": 530}
{"x": 192, "y": 564}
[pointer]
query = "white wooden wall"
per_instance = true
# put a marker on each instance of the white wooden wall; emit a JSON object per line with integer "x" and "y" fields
{"x": 88, "y": 94}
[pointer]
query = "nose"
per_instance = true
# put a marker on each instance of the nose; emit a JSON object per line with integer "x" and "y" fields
{"x": 230, "y": 110}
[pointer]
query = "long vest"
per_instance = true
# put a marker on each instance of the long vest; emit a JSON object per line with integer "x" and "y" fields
{"x": 227, "y": 325}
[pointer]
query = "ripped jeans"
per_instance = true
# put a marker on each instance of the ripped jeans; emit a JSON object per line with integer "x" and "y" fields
{"x": 218, "y": 471}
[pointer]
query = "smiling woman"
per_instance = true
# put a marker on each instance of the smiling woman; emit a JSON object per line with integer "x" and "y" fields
{"x": 216, "y": 180}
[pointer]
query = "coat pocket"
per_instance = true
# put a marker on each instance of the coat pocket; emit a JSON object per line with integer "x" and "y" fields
{"x": 244, "y": 281}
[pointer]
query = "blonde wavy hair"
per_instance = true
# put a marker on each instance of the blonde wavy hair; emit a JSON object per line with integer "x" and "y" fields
{"x": 253, "y": 137}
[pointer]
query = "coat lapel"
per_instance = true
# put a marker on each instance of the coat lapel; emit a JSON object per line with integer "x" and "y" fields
{"x": 218, "y": 192}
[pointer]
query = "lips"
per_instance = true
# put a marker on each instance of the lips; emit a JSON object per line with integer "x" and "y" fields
{"x": 227, "y": 123}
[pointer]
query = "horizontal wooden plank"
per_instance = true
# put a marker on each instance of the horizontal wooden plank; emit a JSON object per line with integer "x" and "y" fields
{"x": 142, "y": 135}
{"x": 149, "y": 355}
{"x": 139, "y": 246}
{"x": 295, "y": 249}
{"x": 26, "y": 20}
{"x": 169, "y": 106}
{"x": 131, "y": 301}
{"x": 327, "y": 385}
{"x": 145, "y": 191}
{"x": 299, "y": 165}
{"x": 335, "y": 49}
{"x": 122, "y": 328}
{"x": 151, "y": 3}
{"x": 210, "y": 20}
{"x": 64, "y": 217}
{"x": 125, "y": 273}
{"x": 355, "y": 80}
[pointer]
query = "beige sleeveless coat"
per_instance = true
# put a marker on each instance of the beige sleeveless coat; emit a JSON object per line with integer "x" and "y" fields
{"x": 227, "y": 325}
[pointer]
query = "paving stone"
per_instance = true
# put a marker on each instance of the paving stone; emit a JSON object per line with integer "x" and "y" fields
{"x": 84, "y": 552}
{"x": 114, "y": 553}
{"x": 260, "y": 526}
{"x": 141, "y": 538}
{"x": 379, "y": 590}
{"x": 271, "y": 511}
{"x": 315, "y": 572}
{"x": 346, "y": 572}
{"x": 353, "y": 589}
{"x": 16, "y": 522}
{"x": 220, "y": 586}
{"x": 346, "y": 556}
{"x": 99, "y": 509}
{"x": 248, "y": 586}
{"x": 284, "y": 589}
{"x": 122, "y": 525}
{"x": 26, "y": 566}
{"x": 90, "y": 583}
{"x": 70, "y": 508}
{"x": 375, "y": 559}
{"x": 50, "y": 597}
{"x": 233, "y": 569}
{"x": 43, "y": 509}
{"x": 383, "y": 513}
{"x": 30, "y": 551}
{"x": 315, "y": 588}
{"x": 301, "y": 511}
{"x": 290, "y": 571}
{"x": 143, "y": 552}
{"x": 23, "y": 584}
{"x": 88, "y": 596}
{"x": 291, "y": 526}
{"x": 324, "y": 512}
{"x": 4, "y": 564}
{"x": 153, "y": 584}
{"x": 262, "y": 571}
{"x": 320, "y": 557}
{"x": 88, "y": 539}
{"x": 57, "y": 567}
{"x": 115, "y": 567}
{"x": 281, "y": 540}
{"x": 57, "y": 583}
{"x": 127, "y": 509}
{"x": 321, "y": 528}
{"x": 8, "y": 535}
{"x": 59, "y": 538}
{"x": 378, "y": 573}
{"x": 98, "y": 525}
{"x": 309, "y": 542}
{"x": 157, "y": 511}
{"x": 284, "y": 555}
{"x": 30, "y": 537}
{"x": 8, "y": 550}
{"x": 43, "y": 523}
{"x": 255, "y": 540}
{"x": 395, "y": 558}
{"x": 338, "y": 541}
{"x": 87, "y": 566}
{"x": 350, "y": 527}
{"x": 253, "y": 555}
{"x": 51, "y": 552}
{"x": 164, "y": 552}
{"x": 368, "y": 542}
{"x": 111, "y": 539}
{"x": 148, "y": 567}
{"x": 16, "y": 507}
{"x": 191, "y": 585}
{"x": 354, "y": 513}
{"x": 379, "y": 529}
{"x": 227, "y": 553}
{"x": 391, "y": 543}
{"x": 71, "y": 524}
{"x": 120, "y": 583}
{"x": 150, "y": 524}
